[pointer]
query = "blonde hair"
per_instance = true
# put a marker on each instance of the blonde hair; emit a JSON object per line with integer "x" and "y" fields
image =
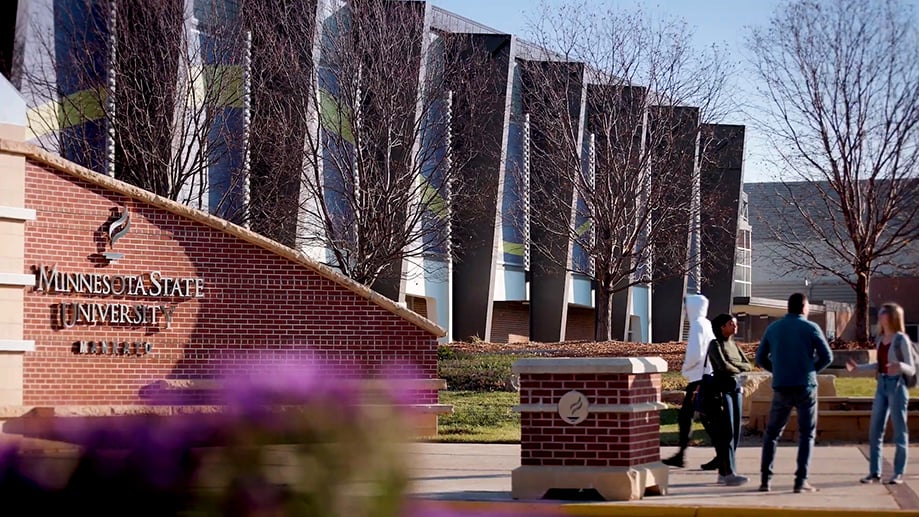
{"x": 894, "y": 315}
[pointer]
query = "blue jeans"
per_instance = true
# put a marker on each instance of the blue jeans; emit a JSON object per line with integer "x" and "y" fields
{"x": 727, "y": 435}
{"x": 891, "y": 398}
{"x": 804, "y": 400}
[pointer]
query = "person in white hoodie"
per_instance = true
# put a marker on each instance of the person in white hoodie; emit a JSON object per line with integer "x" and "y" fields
{"x": 694, "y": 367}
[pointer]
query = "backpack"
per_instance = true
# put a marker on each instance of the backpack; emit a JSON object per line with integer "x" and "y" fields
{"x": 911, "y": 380}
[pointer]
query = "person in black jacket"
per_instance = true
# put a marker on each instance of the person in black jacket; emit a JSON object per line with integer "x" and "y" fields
{"x": 727, "y": 360}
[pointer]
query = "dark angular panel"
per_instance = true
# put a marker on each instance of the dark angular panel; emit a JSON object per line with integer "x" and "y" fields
{"x": 544, "y": 84}
{"x": 278, "y": 125}
{"x": 7, "y": 36}
{"x": 479, "y": 115}
{"x": 620, "y": 314}
{"x": 615, "y": 118}
{"x": 721, "y": 183}
{"x": 680, "y": 124}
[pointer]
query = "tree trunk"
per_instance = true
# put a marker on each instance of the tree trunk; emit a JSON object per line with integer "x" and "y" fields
{"x": 603, "y": 328}
{"x": 861, "y": 306}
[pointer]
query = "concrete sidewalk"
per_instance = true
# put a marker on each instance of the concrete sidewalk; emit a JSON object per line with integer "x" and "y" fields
{"x": 474, "y": 472}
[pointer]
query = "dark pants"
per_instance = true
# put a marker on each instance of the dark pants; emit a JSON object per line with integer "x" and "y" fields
{"x": 726, "y": 432}
{"x": 804, "y": 400}
{"x": 684, "y": 417}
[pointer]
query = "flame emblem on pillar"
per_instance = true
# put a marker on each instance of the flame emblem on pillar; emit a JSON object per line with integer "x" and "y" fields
{"x": 116, "y": 230}
{"x": 573, "y": 407}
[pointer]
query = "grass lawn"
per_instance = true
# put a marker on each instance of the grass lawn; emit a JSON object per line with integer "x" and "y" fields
{"x": 861, "y": 387}
{"x": 487, "y": 417}
{"x": 483, "y": 417}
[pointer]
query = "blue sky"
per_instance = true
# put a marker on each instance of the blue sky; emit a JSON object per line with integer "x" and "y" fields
{"x": 722, "y": 22}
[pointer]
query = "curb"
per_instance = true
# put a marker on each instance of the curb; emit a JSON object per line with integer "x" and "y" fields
{"x": 508, "y": 508}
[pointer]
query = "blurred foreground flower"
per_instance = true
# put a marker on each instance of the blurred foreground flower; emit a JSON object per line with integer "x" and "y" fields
{"x": 292, "y": 441}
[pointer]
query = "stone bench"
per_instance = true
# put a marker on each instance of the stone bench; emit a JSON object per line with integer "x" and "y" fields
{"x": 839, "y": 419}
{"x": 757, "y": 396}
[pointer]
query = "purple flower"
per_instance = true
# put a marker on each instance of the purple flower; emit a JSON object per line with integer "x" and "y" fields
{"x": 342, "y": 430}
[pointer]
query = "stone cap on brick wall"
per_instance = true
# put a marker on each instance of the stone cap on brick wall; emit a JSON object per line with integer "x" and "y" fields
{"x": 369, "y": 384}
{"x": 641, "y": 407}
{"x": 628, "y": 365}
{"x": 58, "y": 163}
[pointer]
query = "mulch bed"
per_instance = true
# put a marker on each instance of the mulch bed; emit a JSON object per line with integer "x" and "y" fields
{"x": 672, "y": 352}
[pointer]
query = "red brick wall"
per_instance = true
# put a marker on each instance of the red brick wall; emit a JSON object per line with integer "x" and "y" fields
{"x": 510, "y": 320}
{"x": 603, "y": 439}
{"x": 901, "y": 290}
{"x": 581, "y": 324}
{"x": 258, "y": 307}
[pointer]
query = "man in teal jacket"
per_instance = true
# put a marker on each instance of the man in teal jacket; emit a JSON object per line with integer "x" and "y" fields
{"x": 794, "y": 350}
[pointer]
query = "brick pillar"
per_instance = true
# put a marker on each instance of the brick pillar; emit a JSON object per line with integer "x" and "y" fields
{"x": 13, "y": 216}
{"x": 590, "y": 423}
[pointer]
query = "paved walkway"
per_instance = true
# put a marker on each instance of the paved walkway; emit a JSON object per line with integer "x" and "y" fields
{"x": 473, "y": 472}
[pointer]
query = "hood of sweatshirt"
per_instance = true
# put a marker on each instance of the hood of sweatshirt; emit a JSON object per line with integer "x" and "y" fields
{"x": 696, "y": 306}
{"x": 700, "y": 335}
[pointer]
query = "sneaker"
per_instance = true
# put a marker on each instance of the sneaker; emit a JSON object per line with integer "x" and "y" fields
{"x": 870, "y": 479}
{"x": 712, "y": 465}
{"x": 722, "y": 480}
{"x": 803, "y": 487}
{"x": 765, "y": 486}
{"x": 675, "y": 461}
{"x": 897, "y": 479}
{"x": 735, "y": 480}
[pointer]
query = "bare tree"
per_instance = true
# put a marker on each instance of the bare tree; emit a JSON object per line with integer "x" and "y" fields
{"x": 842, "y": 84}
{"x": 369, "y": 163}
{"x": 614, "y": 141}
{"x": 149, "y": 92}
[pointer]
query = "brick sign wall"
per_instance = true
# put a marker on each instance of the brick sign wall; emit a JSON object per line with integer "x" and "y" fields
{"x": 196, "y": 303}
{"x": 618, "y": 439}
{"x": 590, "y": 423}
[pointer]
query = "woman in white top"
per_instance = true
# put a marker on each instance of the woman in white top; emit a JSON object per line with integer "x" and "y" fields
{"x": 894, "y": 363}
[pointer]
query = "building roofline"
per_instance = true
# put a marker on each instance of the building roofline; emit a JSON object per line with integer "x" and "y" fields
{"x": 487, "y": 29}
{"x": 60, "y": 164}
{"x": 771, "y": 306}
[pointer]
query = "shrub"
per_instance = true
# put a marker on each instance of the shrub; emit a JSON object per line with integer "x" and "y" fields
{"x": 292, "y": 442}
{"x": 445, "y": 353}
{"x": 477, "y": 372}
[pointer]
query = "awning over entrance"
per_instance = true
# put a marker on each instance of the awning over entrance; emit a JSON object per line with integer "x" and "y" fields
{"x": 751, "y": 305}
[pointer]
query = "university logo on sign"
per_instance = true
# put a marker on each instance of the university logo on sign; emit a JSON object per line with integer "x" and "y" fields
{"x": 104, "y": 299}
{"x": 573, "y": 407}
{"x": 116, "y": 230}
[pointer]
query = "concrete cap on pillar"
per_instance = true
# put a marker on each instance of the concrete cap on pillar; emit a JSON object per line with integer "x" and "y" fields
{"x": 633, "y": 365}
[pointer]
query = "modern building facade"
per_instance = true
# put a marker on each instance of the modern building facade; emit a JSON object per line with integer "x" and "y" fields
{"x": 771, "y": 279}
{"x": 497, "y": 287}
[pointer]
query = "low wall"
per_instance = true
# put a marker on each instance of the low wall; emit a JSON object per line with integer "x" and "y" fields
{"x": 757, "y": 386}
{"x": 38, "y": 427}
{"x": 839, "y": 419}
{"x": 840, "y": 357}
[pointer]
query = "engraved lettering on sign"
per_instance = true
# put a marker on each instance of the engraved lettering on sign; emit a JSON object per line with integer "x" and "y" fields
{"x": 136, "y": 311}
{"x": 573, "y": 407}
{"x": 113, "y": 348}
{"x": 147, "y": 285}
{"x": 50, "y": 280}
